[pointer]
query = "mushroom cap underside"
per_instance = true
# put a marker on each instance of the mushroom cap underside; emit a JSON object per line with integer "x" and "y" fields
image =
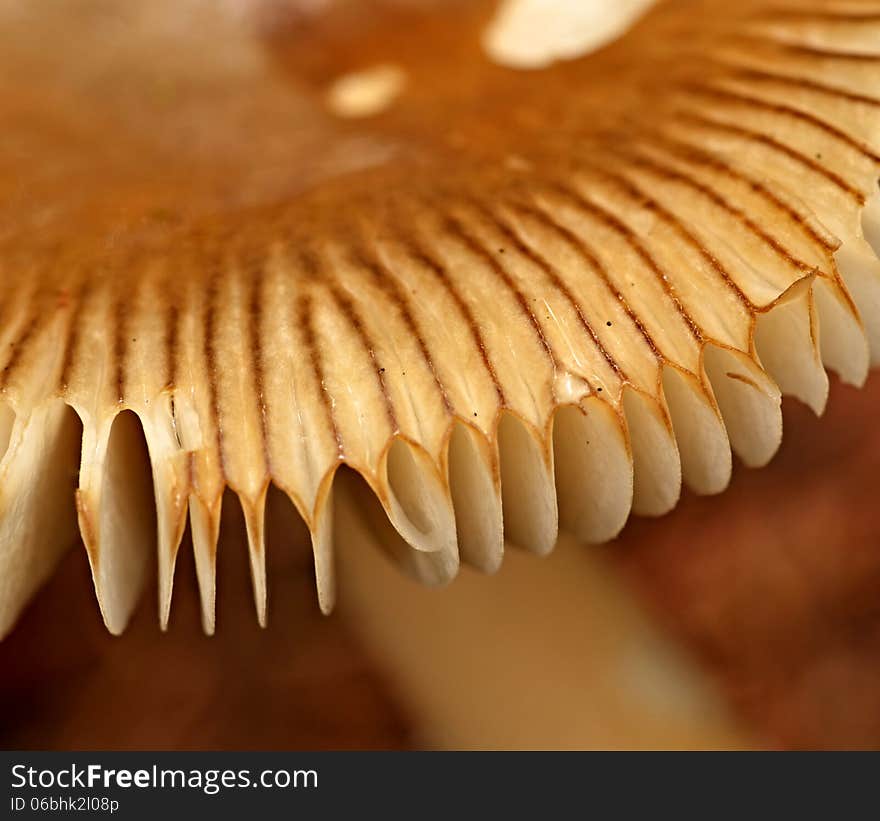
{"x": 503, "y": 301}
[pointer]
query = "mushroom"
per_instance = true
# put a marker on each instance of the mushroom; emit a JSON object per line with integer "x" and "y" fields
{"x": 342, "y": 249}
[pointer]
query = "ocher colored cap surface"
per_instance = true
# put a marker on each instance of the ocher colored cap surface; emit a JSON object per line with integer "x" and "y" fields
{"x": 505, "y": 299}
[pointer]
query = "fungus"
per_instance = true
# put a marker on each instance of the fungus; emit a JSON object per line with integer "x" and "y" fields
{"x": 232, "y": 287}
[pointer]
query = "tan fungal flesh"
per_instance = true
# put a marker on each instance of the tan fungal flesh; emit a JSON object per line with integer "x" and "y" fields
{"x": 505, "y": 302}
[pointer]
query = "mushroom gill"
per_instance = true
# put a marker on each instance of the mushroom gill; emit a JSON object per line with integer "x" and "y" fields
{"x": 504, "y": 300}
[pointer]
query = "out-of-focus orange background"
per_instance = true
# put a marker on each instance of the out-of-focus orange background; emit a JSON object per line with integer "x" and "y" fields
{"x": 773, "y": 587}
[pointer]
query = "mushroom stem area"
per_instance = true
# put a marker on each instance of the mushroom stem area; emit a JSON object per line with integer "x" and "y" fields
{"x": 543, "y": 655}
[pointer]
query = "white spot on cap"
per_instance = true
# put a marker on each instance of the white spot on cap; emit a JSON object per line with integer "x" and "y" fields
{"x": 536, "y": 33}
{"x": 366, "y": 93}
